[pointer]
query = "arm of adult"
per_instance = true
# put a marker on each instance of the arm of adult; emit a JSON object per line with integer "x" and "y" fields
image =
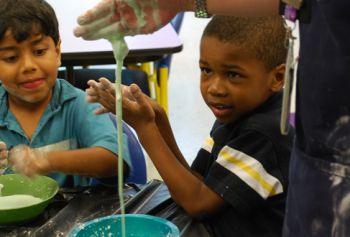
{"x": 131, "y": 17}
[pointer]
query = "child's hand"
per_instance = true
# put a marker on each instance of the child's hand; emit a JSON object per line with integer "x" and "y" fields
{"x": 127, "y": 17}
{"x": 137, "y": 107}
{"x": 3, "y": 151}
{"x": 3, "y": 156}
{"x": 28, "y": 161}
{"x": 102, "y": 92}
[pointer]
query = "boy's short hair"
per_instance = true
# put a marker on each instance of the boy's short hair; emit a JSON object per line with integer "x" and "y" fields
{"x": 265, "y": 37}
{"x": 22, "y": 17}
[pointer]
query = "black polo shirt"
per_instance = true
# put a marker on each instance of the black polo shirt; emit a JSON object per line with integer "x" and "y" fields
{"x": 246, "y": 163}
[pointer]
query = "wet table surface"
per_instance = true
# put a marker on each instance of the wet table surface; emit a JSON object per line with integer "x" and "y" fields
{"x": 75, "y": 206}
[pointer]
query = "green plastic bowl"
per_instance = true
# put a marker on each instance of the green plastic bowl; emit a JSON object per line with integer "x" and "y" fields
{"x": 137, "y": 225}
{"x": 40, "y": 186}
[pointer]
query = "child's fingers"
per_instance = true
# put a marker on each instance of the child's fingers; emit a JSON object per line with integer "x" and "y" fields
{"x": 2, "y": 146}
{"x": 91, "y": 99}
{"x": 91, "y": 91}
{"x": 106, "y": 95}
{"x": 105, "y": 81}
{"x": 137, "y": 94}
{"x": 93, "y": 83}
{"x": 101, "y": 110}
{"x": 134, "y": 101}
{"x": 126, "y": 93}
{"x": 107, "y": 85}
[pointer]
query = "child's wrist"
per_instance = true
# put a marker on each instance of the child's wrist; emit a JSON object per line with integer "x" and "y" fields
{"x": 47, "y": 164}
{"x": 157, "y": 108}
{"x": 145, "y": 130}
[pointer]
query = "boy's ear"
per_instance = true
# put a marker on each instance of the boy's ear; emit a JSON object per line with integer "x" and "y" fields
{"x": 278, "y": 78}
{"x": 58, "y": 53}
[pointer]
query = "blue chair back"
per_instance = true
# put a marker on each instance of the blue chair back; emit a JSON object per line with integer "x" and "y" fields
{"x": 176, "y": 22}
{"x": 129, "y": 76}
{"x": 139, "y": 174}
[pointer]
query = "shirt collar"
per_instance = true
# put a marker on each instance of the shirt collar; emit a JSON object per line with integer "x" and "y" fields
{"x": 63, "y": 91}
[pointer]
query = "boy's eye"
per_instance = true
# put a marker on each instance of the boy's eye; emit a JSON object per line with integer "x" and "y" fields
{"x": 233, "y": 75}
{"x": 40, "y": 52}
{"x": 10, "y": 59}
{"x": 205, "y": 71}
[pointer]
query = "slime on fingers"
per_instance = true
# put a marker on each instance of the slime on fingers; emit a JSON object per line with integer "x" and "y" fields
{"x": 139, "y": 11}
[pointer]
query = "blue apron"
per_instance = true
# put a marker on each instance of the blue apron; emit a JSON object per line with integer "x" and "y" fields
{"x": 318, "y": 201}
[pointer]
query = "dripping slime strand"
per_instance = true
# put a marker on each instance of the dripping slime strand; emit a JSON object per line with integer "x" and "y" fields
{"x": 120, "y": 50}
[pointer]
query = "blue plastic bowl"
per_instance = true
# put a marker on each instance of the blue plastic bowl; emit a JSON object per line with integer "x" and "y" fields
{"x": 136, "y": 225}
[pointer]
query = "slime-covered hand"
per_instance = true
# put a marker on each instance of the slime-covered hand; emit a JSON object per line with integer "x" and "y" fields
{"x": 3, "y": 156}
{"x": 127, "y": 17}
{"x": 28, "y": 161}
{"x": 103, "y": 92}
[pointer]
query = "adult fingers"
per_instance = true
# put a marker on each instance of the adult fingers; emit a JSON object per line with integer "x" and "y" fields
{"x": 105, "y": 31}
{"x": 100, "y": 10}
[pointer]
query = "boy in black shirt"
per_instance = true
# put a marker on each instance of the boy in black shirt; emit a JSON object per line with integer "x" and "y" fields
{"x": 238, "y": 182}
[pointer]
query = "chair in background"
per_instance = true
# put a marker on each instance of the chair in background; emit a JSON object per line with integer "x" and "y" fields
{"x": 129, "y": 76}
{"x": 138, "y": 161}
{"x": 137, "y": 158}
{"x": 176, "y": 22}
{"x": 81, "y": 76}
{"x": 160, "y": 81}
{"x": 158, "y": 72}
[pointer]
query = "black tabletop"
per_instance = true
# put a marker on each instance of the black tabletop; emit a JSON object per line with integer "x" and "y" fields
{"x": 74, "y": 206}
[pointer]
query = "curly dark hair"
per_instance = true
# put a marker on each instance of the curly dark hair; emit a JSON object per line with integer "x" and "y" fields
{"x": 263, "y": 36}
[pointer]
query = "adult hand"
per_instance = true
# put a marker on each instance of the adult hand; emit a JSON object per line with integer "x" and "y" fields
{"x": 126, "y": 17}
{"x": 28, "y": 161}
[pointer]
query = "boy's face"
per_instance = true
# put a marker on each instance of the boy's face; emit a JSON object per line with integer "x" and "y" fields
{"x": 28, "y": 70}
{"x": 233, "y": 82}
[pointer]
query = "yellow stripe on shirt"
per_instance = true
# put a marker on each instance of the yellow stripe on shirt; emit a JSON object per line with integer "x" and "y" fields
{"x": 251, "y": 171}
{"x": 208, "y": 144}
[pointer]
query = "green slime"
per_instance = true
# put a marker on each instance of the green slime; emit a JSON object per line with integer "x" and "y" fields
{"x": 120, "y": 50}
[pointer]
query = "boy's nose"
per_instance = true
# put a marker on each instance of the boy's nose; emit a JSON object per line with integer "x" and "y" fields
{"x": 216, "y": 86}
{"x": 28, "y": 63}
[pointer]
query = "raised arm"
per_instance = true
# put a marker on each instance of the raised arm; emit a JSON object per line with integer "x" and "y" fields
{"x": 103, "y": 92}
{"x": 186, "y": 188}
{"x": 131, "y": 17}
